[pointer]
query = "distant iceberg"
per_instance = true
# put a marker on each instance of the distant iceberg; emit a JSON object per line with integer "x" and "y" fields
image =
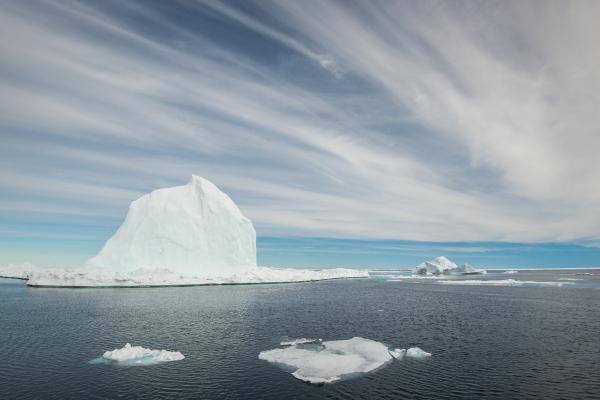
{"x": 138, "y": 355}
{"x": 439, "y": 265}
{"x": 18, "y": 271}
{"x": 334, "y": 360}
{"x": 466, "y": 269}
{"x": 185, "y": 235}
{"x": 442, "y": 266}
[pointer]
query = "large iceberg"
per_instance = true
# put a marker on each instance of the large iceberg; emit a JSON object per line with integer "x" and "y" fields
{"x": 186, "y": 235}
{"x": 191, "y": 229}
{"x": 442, "y": 266}
{"x": 331, "y": 361}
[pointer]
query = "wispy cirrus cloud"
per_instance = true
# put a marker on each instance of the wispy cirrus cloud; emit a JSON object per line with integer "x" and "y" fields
{"x": 380, "y": 120}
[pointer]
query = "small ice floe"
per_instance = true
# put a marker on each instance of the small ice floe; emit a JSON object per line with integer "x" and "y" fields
{"x": 333, "y": 360}
{"x": 413, "y": 352}
{"x": 293, "y": 342}
{"x": 138, "y": 355}
{"x": 501, "y": 282}
{"x": 442, "y": 266}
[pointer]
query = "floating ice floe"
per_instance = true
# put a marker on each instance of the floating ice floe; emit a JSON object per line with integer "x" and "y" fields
{"x": 331, "y": 361}
{"x": 442, "y": 266}
{"x": 138, "y": 355}
{"x": 500, "y": 282}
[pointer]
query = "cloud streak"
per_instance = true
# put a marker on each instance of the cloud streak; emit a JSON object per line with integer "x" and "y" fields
{"x": 379, "y": 120}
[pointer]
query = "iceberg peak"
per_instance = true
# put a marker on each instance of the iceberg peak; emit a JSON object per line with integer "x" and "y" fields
{"x": 194, "y": 229}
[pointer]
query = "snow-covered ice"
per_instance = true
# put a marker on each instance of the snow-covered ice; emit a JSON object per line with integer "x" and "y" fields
{"x": 194, "y": 229}
{"x": 500, "y": 282}
{"x": 138, "y": 355}
{"x": 332, "y": 360}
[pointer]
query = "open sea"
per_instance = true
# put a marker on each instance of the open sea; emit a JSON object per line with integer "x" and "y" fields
{"x": 492, "y": 342}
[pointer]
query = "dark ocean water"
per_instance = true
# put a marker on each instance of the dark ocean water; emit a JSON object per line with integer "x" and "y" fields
{"x": 487, "y": 342}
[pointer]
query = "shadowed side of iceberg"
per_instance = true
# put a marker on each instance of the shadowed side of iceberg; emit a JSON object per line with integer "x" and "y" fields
{"x": 193, "y": 230}
{"x": 335, "y": 360}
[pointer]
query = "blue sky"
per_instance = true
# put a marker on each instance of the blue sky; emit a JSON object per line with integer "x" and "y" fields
{"x": 402, "y": 129}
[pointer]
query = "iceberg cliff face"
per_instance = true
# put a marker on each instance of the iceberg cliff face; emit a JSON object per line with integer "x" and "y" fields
{"x": 194, "y": 230}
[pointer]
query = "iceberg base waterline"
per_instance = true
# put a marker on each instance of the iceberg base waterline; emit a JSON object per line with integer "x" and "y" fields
{"x": 163, "y": 277}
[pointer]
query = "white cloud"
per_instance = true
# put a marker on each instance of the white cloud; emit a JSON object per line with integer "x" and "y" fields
{"x": 457, "y": 124}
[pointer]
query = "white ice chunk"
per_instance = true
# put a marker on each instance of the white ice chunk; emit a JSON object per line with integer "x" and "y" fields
{"x": 332, "y": 360}
{"x": 398, "y": 354}
{"x": 87, "y": 277}
{"x": 138, "y": 355}
{"x": 466, "y": 269}
{"x": 415, "y": 352}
